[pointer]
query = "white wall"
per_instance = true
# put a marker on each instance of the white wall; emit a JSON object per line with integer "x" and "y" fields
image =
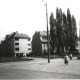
{"x": 44, "y": 47}
{"x": 78, "y": 47}
{"x": 23, "y": 46}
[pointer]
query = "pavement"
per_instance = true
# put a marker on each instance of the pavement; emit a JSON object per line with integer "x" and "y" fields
{"x": 40, "y": 64}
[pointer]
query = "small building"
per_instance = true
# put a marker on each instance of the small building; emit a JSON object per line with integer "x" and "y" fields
{"x": 39, "y": 43}
{"x": 16, "y": 44}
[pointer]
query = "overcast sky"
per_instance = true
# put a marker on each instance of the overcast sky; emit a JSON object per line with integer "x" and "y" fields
{"x": 28, "y": 16}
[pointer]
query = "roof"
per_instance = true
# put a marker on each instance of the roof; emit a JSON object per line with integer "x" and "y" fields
{"x": 18, "y": 35}
{"x": 42, "y": 33}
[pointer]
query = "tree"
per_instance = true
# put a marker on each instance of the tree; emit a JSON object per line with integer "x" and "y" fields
{"x": 74, "y": 34}
{"x": 59, "y": 31}
{"x": 52, "y": 33}
{"x": 65, "y": 31}
{"x": 69, "y": 30}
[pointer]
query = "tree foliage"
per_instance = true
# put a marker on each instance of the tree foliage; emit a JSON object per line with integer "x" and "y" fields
{"x": 63, "y": 31}
{"x": 52, "y": 32}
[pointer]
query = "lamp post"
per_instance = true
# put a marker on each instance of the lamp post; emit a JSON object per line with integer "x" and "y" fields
{"x": 47, "y": 34}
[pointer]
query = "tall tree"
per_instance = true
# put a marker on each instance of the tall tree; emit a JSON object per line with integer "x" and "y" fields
{"x": 61, "y": 32}
{"x": 65, "y": 31}
{"x": 69, "y": 30}
{"x": 52, "y": 33}
{"x": 58, "y": 29}
{"x": 74, "y": 34}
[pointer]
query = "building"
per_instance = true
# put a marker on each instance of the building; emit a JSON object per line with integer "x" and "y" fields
{"x": 39, "y": 43}
{"x": 17, "y": 44}
{"x": 78, "y": 46}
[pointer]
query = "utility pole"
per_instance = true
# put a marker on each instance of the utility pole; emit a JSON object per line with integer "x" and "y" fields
{"x": 47, "y": 34}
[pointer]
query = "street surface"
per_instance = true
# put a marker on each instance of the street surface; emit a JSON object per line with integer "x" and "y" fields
{"x": 39, "y": 68}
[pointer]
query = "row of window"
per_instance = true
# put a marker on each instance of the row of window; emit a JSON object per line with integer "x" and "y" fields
{"x": 17, "y": 39}
{"x": 17, "y": 49}
{"x": 44, "y": 37}
{"x": 18, "y": 44}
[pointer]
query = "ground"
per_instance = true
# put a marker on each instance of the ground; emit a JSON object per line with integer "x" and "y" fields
{"x": 39, "y": 68}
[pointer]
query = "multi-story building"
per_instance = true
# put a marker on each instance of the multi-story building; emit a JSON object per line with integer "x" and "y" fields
{"x": 17, "y": 44}
{"x": 39, "y": 43}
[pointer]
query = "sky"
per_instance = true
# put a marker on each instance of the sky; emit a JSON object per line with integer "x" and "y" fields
{"x": 28, "y": 16}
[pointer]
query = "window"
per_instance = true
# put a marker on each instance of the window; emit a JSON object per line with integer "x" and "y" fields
{"x": 29, "y": 48}
{"x": 17, "y": 49}
{"x": 17, "y": 39}
{"x": 44, "y": 37}
{"x": 16, "y": 43}
{"x": 29, "y": 44}
{"x": 29, "y": 39}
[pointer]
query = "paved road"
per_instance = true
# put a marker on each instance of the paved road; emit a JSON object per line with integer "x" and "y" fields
{"x": 40, "y": 69}
{"x": 31, "y": 74}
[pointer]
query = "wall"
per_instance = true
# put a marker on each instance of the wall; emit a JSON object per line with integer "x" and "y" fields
{"x": 10, "y": 46}
{"x": 24, "y": 46}
{"x": 44, "y": 44}
{"x": 44, "y": 47}
{"x": 36, "y": 44}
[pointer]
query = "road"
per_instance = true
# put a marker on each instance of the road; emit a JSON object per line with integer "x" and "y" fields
{"x": 40, "y": 69}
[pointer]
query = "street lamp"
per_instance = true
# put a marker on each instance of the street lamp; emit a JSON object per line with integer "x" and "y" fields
{"x": 47, "y": 34}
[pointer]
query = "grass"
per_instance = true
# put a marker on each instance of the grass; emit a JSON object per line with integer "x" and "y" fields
{"x": 15, "y": 59}
{"x": 51, "y": 56}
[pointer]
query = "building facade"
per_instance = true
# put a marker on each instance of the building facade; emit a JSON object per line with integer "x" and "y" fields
{"x": 18, "y": 45}
{"x": 39, "y": 43}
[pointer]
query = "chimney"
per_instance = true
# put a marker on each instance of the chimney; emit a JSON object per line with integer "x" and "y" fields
{"x": 16, "y": 31}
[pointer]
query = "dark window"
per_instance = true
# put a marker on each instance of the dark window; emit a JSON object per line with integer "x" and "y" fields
{"x": 16, "y": 43}
{"x": 29, "y": 48}
{"x": 29, "y": 39}
{"x": 17, "y": 39}
{"x": 29, "y": 44}
{"x": 17, "y": 49}
{"x": 44, "y": 37}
